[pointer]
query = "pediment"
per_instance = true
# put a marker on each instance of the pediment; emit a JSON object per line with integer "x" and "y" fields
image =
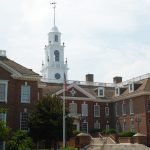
{"x": 75, "y": 91}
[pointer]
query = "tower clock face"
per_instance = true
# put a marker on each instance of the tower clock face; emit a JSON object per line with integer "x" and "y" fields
{"x": 57, "y": 76}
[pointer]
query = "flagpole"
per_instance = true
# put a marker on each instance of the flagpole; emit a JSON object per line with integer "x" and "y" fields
{"x": 64, "y": 123}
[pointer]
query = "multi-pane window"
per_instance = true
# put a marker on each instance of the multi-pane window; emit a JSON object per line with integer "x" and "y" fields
{"x": 124, "y": 126}
{"x": 117, "y": 109}
{"x": 106, "y": 111}
{"x": 123, "y": 108}
{"x": 107, "y": 126}
{"x": 2, "y": 145}
{"x": 100, "y": 92}
{"x": 96, "y": 125}
{"x": 24, "y": 121}
{"x": 85, "y": 127}
{"x": 84, "y": 110}
{"x": 131, "y": 106}
{"x": 73, "y": 109}
{"x": 3, "y": 117}
{"x": 148, "y": 104}
{"x": 3, "y": 91}
{"x": 117, "y": 126}
{"x": 132, "y": 125}
{"x": 96, "y": 110}
{"x": 25, "y": 94}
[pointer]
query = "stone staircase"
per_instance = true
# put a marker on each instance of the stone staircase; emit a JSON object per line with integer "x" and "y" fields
{"x": 106, "y": 143}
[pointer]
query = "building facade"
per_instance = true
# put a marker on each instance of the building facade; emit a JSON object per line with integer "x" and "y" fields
{"x": 19, "y": 91}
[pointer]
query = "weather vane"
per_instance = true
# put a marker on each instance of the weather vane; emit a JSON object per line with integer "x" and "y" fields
{"x": 54, "y": 6}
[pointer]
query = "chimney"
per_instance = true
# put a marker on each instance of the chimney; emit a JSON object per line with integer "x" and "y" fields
{"x": 117, "y": 79}
{"x": 89, "y": 78}
{"x": 2, "y": 53}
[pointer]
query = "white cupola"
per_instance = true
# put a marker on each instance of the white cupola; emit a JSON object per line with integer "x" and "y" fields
{"x": 54, "y": 67}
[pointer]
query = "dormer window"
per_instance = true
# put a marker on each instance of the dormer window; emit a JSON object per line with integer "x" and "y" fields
{"x": 131, "y": 87}
{"x": 117, "y": 91}
{"x": 56, "y": 38}
{"x": 100, "y": 92}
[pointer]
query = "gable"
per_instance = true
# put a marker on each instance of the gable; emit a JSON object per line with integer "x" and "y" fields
{"x": 74, "y": 91}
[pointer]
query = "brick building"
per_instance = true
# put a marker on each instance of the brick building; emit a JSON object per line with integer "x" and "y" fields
{"x": 124, "y": 106}
{"x": 19, "y": 90}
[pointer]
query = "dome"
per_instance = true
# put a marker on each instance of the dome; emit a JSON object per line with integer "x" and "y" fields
{"x": 54, "y": 29}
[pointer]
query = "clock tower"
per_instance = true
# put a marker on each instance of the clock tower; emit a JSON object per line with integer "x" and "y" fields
{"x": 54, "y": 67}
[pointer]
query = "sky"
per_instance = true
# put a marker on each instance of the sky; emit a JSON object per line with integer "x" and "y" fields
{"x": 106, "y": 38}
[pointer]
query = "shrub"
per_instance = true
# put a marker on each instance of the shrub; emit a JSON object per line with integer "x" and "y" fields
{"x": 93, "y": 131}
{"x": 68, "y": 148}
{"x": 126, "y": 134}
{"x": 109, "y": 131}
{"x": 75, "y": 132}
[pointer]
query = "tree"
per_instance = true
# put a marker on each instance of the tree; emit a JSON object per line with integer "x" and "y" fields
{"x": 19, "y": 141}
{"x": 4, "y": 131}
{"x": 46, "y": 121}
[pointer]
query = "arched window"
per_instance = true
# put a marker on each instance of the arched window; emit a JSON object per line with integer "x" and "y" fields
{"x": 56, "y": 53}
{"x": 56, "y": 38}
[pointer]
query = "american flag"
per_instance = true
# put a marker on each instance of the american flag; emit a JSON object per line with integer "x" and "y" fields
{"x": 65, "y": 82}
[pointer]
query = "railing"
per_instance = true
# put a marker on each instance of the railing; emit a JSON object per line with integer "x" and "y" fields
{"x": 142, "y": 77}
{"x": 91, "y": 83}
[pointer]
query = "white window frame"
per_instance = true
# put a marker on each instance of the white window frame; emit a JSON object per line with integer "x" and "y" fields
{"x": 74, "y": 112}
{"x": 131, "y": 87}
{"x": 117, "y": 126}
{"x": 124, "y": 125}
{"x": 3, "y": 117}
{"x": 116, "y": 109}
{"x": 6, "y": 90}
{"x": 84, "y": 108}
{"x": 99, "y": 92}
{"x": 132, "y": 123}
{"x": 117, "y": 91}
{"x": 96, "y": 125}
{"x": 123, "y": 109}
{"x": 131, "y": 107}
{"x": 96, "y": 110}
{"x": 21, "y": 128}
{"x": 107, "y": 111}
{"x": 3, "y": 145}
{"x": 83, "y": 123}
{"x": 29, "y": 93}
{"x": 107, "y": 126}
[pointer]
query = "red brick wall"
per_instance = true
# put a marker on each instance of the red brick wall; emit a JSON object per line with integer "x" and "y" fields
{"x": 14, "y": 104}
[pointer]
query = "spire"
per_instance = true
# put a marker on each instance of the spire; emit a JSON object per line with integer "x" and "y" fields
{"x": 54, "y": 6}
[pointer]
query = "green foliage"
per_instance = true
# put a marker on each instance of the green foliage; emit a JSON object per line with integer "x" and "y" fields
{"x": 109, "y": 131}
{"x": 75, "y": 132}
{"x": 93, "y": 131}
{"x": 126, "y": 134}
{"x": 19, "y": 141}
{"x": 46, "y": 120}
{"x": 4, "y": 131}
{"x": 68, "y": 148}
{"x": 3, "y": 110}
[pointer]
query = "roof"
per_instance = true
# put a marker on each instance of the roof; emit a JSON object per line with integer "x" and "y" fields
{"x": 16, "y": 69}
{"x": 140, "y": 87}
{"x": 54, "y": 88}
